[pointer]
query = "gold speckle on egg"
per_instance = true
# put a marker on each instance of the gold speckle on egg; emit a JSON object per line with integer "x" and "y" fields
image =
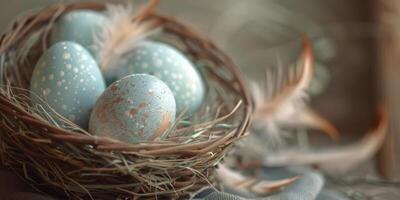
{"x": 151, "y": 92}
{"x": 68, "y": 66}
{"x": 66, "y": 56}
{"x": 62, "y": 73}
{"x": 44, "y": 92}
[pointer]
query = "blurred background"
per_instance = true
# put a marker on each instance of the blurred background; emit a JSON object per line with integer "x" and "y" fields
{"x": 356, "y": 46}
{"x": 256, "y": 33}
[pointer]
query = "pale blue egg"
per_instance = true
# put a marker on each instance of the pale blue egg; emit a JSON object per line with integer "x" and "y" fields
{"x": 80, "y": 26}
{"x": 68, "y": 79}
{"x": 169, "y": 65}
{"x": 135, "y": 109}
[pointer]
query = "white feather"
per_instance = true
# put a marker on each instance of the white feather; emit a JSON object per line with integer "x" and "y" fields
{"x": 119, "y": 34}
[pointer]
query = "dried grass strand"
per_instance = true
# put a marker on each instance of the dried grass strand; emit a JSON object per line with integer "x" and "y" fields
{"x": 55, "y": 155}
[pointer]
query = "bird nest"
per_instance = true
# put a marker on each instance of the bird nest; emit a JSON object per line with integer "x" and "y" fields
{"x": 63, "y": 159}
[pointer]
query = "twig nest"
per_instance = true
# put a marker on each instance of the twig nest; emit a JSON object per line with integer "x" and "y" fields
{"x": 136, "y": 108}
{"x": 135, "y": 146}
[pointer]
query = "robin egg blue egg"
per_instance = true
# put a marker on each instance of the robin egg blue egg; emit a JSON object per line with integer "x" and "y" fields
{"x": 67, "y": 78}
{"x": 169, "y": 65}
{"x": 136, "y": 108}
{"x": 80, "y": 26}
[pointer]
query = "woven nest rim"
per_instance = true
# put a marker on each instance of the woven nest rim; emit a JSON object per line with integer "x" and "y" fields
{"x": 143, "y": 152}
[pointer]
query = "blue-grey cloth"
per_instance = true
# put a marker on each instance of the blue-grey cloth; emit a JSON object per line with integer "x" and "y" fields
{"x": 331, "y": 195}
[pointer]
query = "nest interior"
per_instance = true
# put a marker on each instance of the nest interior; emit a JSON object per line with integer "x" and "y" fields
{"x": 63, "y": 159}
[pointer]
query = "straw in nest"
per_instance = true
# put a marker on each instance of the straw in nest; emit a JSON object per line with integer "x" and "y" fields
{"x": 61, "y": 158}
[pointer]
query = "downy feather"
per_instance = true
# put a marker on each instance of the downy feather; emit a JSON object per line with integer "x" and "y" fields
{"x": 120, "y": 32}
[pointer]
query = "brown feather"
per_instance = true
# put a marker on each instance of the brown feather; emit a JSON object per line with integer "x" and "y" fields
{"x": 295, "y": 83}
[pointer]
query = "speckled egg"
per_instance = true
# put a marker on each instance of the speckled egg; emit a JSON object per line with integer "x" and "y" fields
{"x": 134, "y": 109}
{"x": 172, "y": 67}
{"x": 68, "y": 79}
{"x": 80, "y": 26}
